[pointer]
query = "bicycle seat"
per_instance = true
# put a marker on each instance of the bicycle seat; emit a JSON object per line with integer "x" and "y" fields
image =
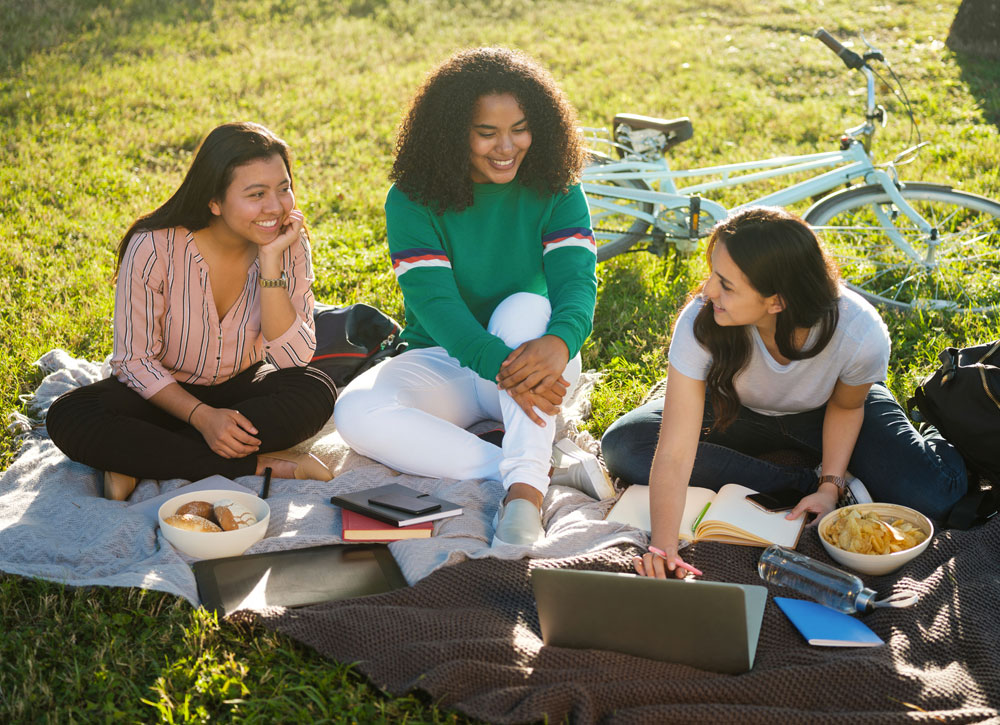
{"x": 674, "y": 130}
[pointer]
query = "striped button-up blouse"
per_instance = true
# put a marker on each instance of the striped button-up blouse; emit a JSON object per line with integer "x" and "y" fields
{"x": 167, "y": 328}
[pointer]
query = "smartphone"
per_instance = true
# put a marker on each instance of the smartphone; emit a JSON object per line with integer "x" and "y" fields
{"x": 775, "y": 501}
{"x": 406, "y": 503}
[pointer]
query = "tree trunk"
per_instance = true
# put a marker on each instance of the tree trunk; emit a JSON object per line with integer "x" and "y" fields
{"x": 976, "y": 28}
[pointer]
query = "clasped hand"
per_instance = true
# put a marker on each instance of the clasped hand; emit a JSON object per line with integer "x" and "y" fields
{"x": 533, "y": 376}
{"x": 228, "y": 433}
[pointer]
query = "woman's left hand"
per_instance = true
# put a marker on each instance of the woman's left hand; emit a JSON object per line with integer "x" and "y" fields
{"x": 534, "y": 365}
{"x": 289, "y": 233}
{"x": 820, "y": 503}
{"x": 546, "y": 400}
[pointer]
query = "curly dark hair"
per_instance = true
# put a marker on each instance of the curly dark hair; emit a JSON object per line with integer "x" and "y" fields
{"x": 432, "y": 149}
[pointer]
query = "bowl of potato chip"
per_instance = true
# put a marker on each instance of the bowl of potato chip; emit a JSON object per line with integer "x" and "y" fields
{"x": 875, "y": 538}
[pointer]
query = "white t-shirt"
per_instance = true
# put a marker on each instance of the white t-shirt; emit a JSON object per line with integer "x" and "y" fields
{"x": 858, "y": 353}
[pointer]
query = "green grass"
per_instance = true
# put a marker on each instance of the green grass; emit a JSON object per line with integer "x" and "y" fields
{"x": 101, "y": 105}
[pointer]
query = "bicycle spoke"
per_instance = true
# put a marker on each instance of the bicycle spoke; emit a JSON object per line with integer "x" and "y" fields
{"x": 959, "y": 269}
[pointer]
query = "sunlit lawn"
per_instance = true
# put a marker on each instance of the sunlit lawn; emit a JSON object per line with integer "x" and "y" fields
{"x": 101, "y": 105}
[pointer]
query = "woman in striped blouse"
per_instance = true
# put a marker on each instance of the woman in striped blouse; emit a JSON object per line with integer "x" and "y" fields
{"x": 489, "y": 235}
{"x": 213, "y": 331}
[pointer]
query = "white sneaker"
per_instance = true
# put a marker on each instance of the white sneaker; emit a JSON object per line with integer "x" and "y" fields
{"x": 855, "y": 492}
{"x": 517, "y": 522}
{"x": 576, "y": 468}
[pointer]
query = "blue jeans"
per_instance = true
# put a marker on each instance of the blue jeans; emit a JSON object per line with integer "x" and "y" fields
{"x": 895, "y": 462}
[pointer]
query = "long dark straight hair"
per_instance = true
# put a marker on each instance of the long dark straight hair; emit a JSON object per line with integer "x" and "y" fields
{"x": 780, "y": 255}
{"x": 223, "y": 149}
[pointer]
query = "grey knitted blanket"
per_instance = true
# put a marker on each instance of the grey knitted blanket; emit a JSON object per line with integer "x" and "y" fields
{"x": 55, "y": 525}
{"x": 468, "y": 635}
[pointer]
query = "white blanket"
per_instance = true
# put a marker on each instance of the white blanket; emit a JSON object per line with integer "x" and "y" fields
{"x": 54, "y": 523}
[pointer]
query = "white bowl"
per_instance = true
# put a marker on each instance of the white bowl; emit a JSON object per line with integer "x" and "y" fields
{"x": 217, "y": 544}
{"x": 877, "y": 564}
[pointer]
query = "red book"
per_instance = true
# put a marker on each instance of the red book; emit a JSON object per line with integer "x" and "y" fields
{"x": 358, "y": 527}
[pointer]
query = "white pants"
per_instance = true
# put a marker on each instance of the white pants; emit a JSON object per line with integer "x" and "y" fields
{"x": 411, "y": 412}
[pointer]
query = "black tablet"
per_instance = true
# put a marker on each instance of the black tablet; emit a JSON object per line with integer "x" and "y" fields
{"x": 296, "y": 577}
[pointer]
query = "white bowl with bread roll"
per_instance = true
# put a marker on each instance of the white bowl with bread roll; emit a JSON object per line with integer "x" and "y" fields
{"x": 214, "y": 523}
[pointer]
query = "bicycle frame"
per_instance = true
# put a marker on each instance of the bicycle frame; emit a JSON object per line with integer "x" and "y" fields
{"x": 852, "y": 163}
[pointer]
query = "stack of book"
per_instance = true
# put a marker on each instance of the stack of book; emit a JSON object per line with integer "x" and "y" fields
{"x": 390, "y": 513}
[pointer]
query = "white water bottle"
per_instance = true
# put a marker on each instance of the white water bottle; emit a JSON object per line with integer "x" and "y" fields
{"x": 826, "y": 584}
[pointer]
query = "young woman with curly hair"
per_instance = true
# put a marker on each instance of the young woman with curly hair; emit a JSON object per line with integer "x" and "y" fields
{"x": 774, "y": 353}
{"x": 213, "y": 331}
{"x": 489, "y": 234}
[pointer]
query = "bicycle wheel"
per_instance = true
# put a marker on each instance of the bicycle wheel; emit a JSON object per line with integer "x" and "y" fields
{"x": 958, "y": 271}
{"x": 617, "y": 229}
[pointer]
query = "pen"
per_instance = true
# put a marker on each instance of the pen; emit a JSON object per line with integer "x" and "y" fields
{"x": 267, "y": 483}
{"x": 682, "y": 564}
{"x": 697, "y": 521}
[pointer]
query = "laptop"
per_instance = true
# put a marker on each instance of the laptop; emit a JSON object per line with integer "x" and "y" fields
{"x": 296, "y": 577}
{"x": 709, "y": 625}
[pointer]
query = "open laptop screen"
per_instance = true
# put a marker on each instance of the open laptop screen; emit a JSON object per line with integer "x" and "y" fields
{"x": 709, "y": 625}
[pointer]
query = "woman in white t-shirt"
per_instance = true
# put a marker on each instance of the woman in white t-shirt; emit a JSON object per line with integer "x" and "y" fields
{"x": 772, "y": 354}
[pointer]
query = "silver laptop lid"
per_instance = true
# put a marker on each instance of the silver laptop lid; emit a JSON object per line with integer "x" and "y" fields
{"x": 708, "y": 625}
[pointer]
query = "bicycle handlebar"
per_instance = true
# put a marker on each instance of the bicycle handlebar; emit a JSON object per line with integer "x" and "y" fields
{"x": 850, "y": 58}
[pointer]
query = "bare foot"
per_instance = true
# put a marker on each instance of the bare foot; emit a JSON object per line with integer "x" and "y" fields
{"x": 279, "y": 468}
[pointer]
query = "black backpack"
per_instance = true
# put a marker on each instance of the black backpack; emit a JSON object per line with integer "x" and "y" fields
{"x": 962, "y": 400}
{"x": 351, "y": 339}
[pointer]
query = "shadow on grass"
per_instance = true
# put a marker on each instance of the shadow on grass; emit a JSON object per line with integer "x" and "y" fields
{"x": 91, "y": 26}
{"x": 638, "y": 297}
{"x": 982, "y": 76}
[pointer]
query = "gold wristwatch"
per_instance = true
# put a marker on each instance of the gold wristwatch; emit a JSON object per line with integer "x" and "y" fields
{"x": 282, "y": 281}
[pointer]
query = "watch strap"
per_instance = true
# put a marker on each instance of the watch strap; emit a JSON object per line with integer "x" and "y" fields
{"x": 841, "y": 484}
{"x": 282, "y": 281}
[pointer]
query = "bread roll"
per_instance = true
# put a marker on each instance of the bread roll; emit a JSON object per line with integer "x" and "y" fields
{"x": 232, "y": 515}
{"x": 190, "y": 522}
{"x": 198, "y": 508}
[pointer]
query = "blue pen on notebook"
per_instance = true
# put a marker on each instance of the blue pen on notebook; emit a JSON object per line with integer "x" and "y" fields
{"x": 697, "y": 521}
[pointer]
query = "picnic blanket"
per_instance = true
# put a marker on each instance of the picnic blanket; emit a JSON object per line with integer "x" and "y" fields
{"x": 55, "y": 525}
{"x": 466, "y": 631}
{"x": 468, "y": 635}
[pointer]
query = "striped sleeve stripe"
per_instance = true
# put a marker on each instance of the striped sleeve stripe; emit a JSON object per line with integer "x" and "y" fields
{"x": 574, "y": 237}
{"x": 403, "y": 262}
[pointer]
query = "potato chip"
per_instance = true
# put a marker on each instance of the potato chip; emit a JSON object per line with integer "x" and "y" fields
{"x": 867, "y": 533}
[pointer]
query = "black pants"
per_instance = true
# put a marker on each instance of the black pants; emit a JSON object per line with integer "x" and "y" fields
{"x": 109, "y": 426}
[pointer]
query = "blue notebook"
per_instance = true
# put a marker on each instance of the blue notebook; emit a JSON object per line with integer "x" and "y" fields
{"x": 827, "y": 627}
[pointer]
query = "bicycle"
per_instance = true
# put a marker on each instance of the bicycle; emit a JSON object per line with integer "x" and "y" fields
{"x": 902, "y": 245}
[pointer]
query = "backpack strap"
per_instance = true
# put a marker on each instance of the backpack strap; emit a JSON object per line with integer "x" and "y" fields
{"x": 973, "y": 508}
{"x": 917, "y": 401}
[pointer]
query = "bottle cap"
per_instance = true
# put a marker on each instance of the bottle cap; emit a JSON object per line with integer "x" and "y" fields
{"x": 866, "y": 600}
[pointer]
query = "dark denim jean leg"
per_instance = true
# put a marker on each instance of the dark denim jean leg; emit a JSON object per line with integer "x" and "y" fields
{"x": 898, "y": 465}
{"x": 733, "y": 455}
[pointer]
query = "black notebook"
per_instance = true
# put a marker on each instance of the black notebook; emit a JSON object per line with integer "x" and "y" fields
{"x": 296, "y": 577}
{"x": 424, "y": 507}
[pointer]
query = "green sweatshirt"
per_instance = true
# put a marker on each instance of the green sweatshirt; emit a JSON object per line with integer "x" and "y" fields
{"x": 455, "y": 268}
